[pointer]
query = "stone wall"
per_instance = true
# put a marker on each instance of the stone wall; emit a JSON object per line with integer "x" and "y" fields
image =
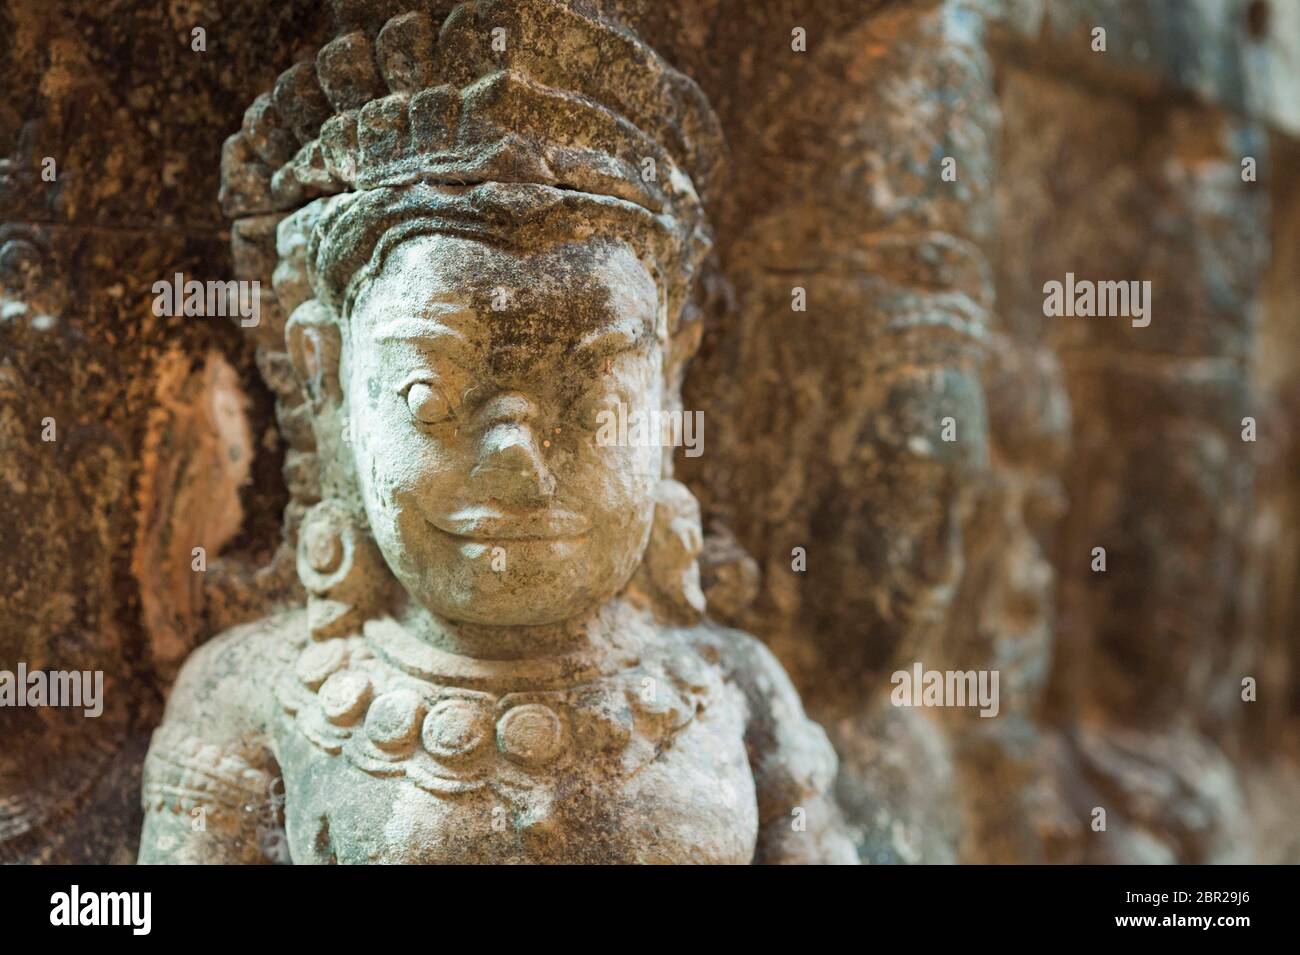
{"x": 970, "y": 548}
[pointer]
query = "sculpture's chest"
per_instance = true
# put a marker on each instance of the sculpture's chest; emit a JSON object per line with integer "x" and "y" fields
{"x": 647, "y": 765}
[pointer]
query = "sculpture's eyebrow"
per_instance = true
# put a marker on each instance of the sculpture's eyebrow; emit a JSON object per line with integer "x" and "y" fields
{"x": 612, "y": 339}
{"x": 443, "y": 339}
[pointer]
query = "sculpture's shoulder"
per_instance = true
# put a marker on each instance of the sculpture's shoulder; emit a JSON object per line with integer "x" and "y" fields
{"x": 212, "y": 747}
{"x": 226, "y": 684}
{"x": 793, "y": 762}
{"x": 790, "y": 754}
{"x": 210, "y": 767}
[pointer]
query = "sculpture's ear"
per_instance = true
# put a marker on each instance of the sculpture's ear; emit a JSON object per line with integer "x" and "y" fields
{"x": 669, "y": 574}
{"x": 314, "y": 343}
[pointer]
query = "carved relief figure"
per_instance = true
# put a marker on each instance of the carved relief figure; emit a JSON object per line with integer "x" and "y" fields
{"x": 483, "y": 242}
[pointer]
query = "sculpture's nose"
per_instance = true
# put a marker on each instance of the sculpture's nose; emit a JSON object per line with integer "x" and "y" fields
{"x": 510, "y": 467}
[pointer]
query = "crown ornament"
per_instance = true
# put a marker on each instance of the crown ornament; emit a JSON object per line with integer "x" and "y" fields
{"x": 529, "y": 91}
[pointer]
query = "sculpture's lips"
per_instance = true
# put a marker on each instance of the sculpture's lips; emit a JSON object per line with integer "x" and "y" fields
{"x": 490, "y": 523}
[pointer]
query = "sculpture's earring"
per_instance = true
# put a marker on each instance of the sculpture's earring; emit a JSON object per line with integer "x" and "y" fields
{"x": 342, "y": 569}
{"x": 671, "y": 567}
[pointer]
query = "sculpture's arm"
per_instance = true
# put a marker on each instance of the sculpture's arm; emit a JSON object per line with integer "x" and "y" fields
{"x": 211, "y": 784}
{"x": 793, "y": 762}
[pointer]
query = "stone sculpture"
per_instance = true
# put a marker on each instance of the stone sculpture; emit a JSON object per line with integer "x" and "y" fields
{"x": 489, "y": 230}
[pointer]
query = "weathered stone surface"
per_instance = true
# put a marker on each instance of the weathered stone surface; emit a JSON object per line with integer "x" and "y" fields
{"x": 913, "y": 471}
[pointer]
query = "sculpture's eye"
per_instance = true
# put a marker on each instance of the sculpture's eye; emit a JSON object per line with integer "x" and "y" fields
{"x": 595, "y": 409}
{"x": 426, "y": 403}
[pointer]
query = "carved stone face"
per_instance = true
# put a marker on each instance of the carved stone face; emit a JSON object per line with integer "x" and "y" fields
{"x": 475, "y": 377}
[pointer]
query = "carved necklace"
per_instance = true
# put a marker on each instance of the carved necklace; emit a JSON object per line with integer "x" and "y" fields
{"x": 394, "y": 706}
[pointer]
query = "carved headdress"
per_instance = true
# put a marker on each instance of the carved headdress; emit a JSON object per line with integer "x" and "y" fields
{"x": 503, "y": 114}
{"x": 500, "y": 119}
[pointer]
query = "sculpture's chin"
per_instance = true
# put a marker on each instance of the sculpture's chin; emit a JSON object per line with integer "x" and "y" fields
{"x": 512, "y": 614}
{"x": 525, "y": 607}
{"x": 520, "y": 583}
